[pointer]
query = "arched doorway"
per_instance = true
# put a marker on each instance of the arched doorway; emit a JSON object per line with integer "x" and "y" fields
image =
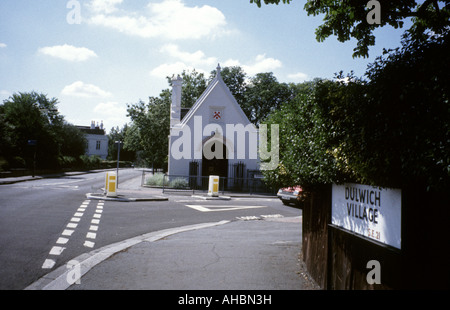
{"x": 218, "y": 165}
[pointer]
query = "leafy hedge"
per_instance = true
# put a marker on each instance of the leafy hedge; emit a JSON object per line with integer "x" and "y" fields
{"x": 390, "y": 129}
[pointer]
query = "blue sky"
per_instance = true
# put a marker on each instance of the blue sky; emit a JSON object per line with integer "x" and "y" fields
{"x": 122, "y": 50}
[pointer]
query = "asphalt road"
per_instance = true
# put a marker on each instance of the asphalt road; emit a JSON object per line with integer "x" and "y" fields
{"x": 45, "y": 223}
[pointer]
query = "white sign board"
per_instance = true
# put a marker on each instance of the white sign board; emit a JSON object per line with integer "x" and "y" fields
{"x": 369, "y": 211}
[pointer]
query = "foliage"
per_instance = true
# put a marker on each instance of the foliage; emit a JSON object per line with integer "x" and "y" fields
{"x": 348, "y": 19}
{"x": 155, "y": 180}
{"x": 390, "y": 129}
{"x": 263, "y": 95}
{"x": 194, "y": 84}
{"x": 149, "y": 131}
{"x": 304, "y": 143}
{"x": 397, "y": 131}
{"x": 179, "y": 183}
{"x": 127, "y": 153}
{"x": 33, "y": 116}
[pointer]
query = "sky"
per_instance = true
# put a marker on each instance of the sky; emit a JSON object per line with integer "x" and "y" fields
{"x": 97, "y": 56}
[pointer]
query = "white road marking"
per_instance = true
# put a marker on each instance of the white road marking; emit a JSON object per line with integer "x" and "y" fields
{"x": 91, "y": 235}
{"x": 67, "y": 232}
{"x": 62, "y": 240}
{"x": 89, "y": 244}
{"x": 216, "y": 208}
{"x": 48, "y": 264}
{"x": 248, "y": 218}
{"x": 56, "y": 250}
{"x": 272, "y": 216}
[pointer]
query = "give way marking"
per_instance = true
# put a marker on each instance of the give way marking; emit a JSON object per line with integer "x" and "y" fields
{"x": 216, "y": 208}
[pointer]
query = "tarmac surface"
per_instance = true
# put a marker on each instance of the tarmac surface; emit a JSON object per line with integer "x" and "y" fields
{"x": 262, "y": 254}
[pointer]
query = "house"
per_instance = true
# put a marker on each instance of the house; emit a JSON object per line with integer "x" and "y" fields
{"x": 214, "y": 137}
{"x": 97, "y": 140}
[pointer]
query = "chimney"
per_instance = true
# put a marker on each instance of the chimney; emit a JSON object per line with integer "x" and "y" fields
{"x": 101, "y": 125}
{"x": 92, "y": 124}
{"x": 175, "y": 108}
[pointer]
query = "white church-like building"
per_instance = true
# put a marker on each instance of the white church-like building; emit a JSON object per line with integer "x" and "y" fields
{"x": 214, "y": 137}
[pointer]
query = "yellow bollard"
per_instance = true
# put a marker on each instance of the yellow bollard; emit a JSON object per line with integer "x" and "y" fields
{"x": 111, "y": 186}
{"x": 213, "y": 189}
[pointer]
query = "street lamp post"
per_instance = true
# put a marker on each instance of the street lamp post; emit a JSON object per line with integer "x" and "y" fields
{"x": 118, "y": 159}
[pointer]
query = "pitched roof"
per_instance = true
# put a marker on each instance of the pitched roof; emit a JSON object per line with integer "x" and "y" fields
{"x": 216, "y": 82}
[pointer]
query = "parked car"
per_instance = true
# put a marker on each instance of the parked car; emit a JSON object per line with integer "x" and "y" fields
{"x": 292, "y": 195}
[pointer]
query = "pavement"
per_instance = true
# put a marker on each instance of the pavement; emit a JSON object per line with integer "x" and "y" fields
{"x": 254, "y": 254}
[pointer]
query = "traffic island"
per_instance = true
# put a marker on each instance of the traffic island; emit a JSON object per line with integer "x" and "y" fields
{"x": 206, "y": 197}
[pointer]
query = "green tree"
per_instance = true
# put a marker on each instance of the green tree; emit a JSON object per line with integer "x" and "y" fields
{"x": 127, "y": 152}
{"x": 235, "y": 78}
{"x": 150, "y": 129}
{"x": 394, "y": 129}
{"x": 348, "y": 19}
{"x": 33, "y": 116}
{"x": 304, "y": 142}
{"x": 263, "y": 95}
{"x": 194, "y": 84}
{"x": 72, "y": 140}
{"x": 389, "y": 129}
{"x": 30, "y": 116}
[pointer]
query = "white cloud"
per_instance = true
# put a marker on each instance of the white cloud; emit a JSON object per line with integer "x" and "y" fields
{"x": 194, "y": 59}
{"x": 183, "y": 61}
{"x": 112, "y": 113}
{"x": 80, "y": 89}
{"x": 203, "y": 64}
{"x": 110, "y": 108}
{"x": 68, "y": 52}
{"x": 169, "y": 19}
{"x": 298, "y": 77}
{"x": 260, "y": 64}
{"x": 2, "y": 45}
{"x": 165, "y": 70}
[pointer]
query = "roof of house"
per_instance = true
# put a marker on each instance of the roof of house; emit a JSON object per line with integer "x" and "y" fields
{"x": 215, "y": 83}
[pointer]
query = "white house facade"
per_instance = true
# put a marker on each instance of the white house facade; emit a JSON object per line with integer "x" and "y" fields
{"x": 97, "y": 140}
{"x": 215, "y": 137}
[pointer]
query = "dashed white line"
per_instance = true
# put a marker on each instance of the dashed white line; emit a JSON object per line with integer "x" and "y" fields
{"x": 48, "y": 264}
{"x": 62, "y": 240}
{"x": 89, "y": 244}
{"x": 56, "y": 250}
{"x": 67, "y": 232}
{"x": 93, "y": 228}
{"x": 91, "y": 235}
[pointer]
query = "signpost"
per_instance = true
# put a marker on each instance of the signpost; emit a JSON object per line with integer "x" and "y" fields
{"x": 369, "y": 211}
